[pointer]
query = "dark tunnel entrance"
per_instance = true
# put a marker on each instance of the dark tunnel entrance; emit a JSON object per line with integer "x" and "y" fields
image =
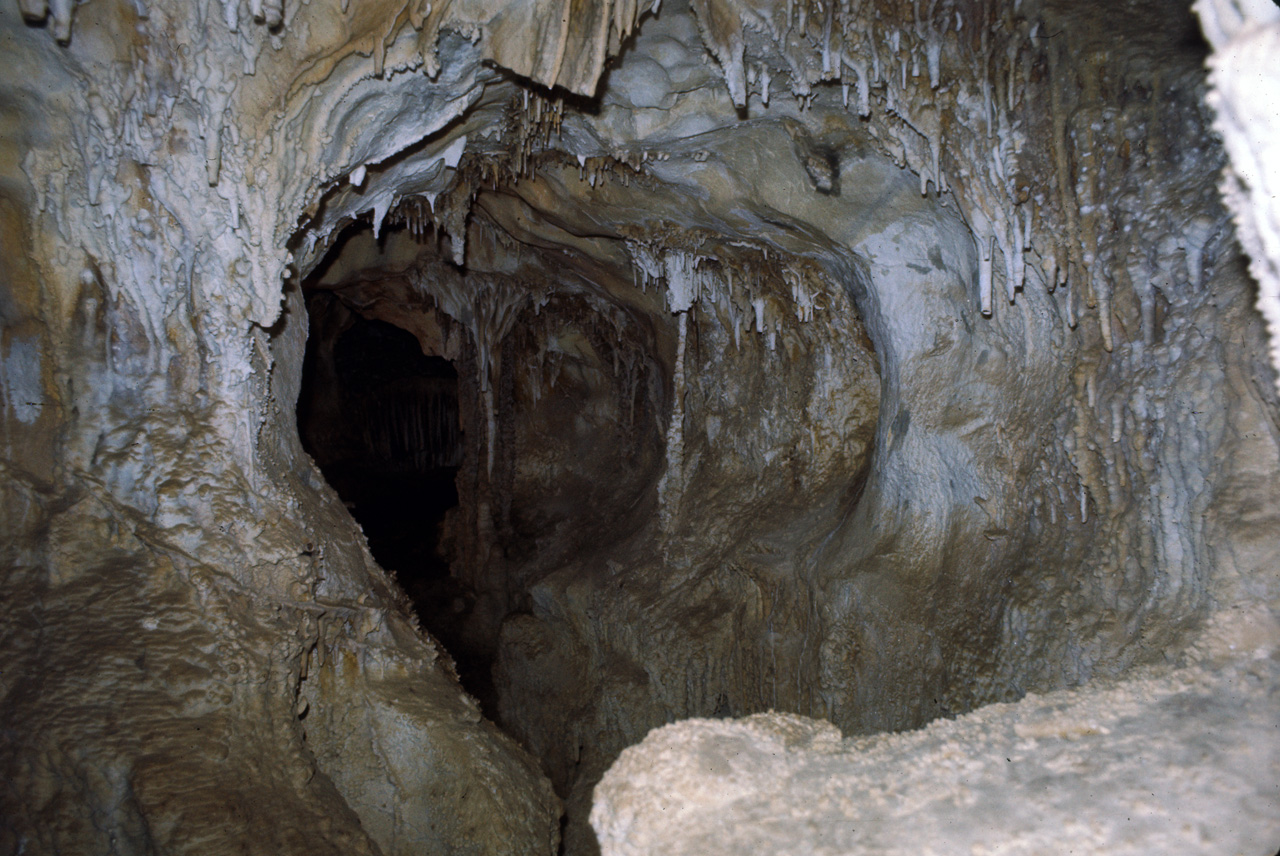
{"x": 625, "y": 480}
{"x": 486, "y": 430}
{"x": 381, "y": 420}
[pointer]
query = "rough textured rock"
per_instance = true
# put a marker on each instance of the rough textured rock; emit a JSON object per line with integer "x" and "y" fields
{"x": 1183, "y": 763}
{"x": 876, "y": 362}
{"x": 1246, "y": 100}
{"x": 195, "y": 628}
{"x": 1182, "y": 759}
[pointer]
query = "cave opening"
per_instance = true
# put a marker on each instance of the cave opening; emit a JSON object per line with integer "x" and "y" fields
{"x": 485, "y": 426}
{"x": 619, "y": 437}
{"x": 394, "y": 452}
{"x": 628, "y": 478}
{"x": 379, "y": 416}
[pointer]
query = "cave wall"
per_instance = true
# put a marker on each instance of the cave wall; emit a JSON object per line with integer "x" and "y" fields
{"x": 198, "y": 628}
{"x": 1011, "y": 428}
{"x": 1118, "y": 766}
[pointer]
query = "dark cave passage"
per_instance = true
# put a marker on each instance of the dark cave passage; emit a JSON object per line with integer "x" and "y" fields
{"x": 571, "y": 469}
{"x": 380, "y": 418}
{"x": 396, "y": 448}
{"x": 484, "y": 433}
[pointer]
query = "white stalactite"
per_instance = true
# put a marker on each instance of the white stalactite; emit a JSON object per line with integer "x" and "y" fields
{"x": 933, "y": 51}
{"x": 984, "y": 275}
{"x": 671, "y": 486}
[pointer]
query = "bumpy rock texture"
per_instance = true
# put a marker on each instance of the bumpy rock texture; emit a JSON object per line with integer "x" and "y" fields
{"x": 1182, "y": 765}
{"x": 876, "y": 361}
{"x": 1246, "y": 99}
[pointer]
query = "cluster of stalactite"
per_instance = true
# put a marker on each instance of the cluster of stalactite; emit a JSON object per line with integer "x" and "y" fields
{"x": 410, "y": 424}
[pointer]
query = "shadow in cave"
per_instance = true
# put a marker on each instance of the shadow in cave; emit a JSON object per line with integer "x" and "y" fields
{"x": 380, "y": 419}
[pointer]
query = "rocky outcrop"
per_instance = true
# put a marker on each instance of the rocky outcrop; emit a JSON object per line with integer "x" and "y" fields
{"x": 1183, "y": 763}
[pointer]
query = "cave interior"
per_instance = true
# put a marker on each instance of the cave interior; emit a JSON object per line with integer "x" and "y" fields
{"x": 476, "y": 427}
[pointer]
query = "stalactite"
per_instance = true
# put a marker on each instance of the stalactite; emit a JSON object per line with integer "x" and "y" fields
{"x": 990, "y": 113}
{"x": 984, "y": 274}
{"x": 671, "y": 486}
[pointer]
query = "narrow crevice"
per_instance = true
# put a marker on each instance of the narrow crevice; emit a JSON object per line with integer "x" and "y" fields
{"x": 380, "y": 418}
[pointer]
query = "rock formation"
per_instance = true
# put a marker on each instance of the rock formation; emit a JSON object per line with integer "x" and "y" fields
{"x": 873, "y": 389}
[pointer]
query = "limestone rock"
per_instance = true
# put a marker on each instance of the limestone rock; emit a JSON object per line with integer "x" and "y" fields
{"x": 879, "y": 363}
